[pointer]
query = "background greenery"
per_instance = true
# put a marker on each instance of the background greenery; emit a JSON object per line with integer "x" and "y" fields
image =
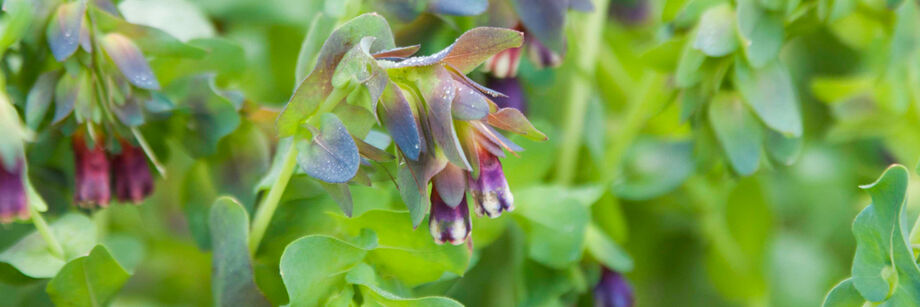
{"x": 711, "y": 150}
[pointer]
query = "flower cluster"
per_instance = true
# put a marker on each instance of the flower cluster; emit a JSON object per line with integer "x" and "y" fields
{"x": 443, "y": 123}
{"x": 97, "y": 173}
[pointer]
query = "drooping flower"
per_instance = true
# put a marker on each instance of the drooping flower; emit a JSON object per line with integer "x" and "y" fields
{"x": 91, "y": 174}
{"x": 514, "y": 94}
{"x": 613, "y": 290}
{"x": 541, "y": 55}
{"x": 629, "y": 12}
{"x": 13, "y": 199}
{"x": 449, "y": 224}
{"x": 132, "y": 179}
{"x": 490, "y": 190}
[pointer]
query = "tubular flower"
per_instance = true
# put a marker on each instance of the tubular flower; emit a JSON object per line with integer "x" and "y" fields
{"x": 132, "y": 179}
{"x": 514, "y": 95}
{"x": 449, "y": 224}
{"x": 613, "y": 290}
{"x": 490, "y": 190}
{"x": 629, "y": 12}
{"x": 91, "y": 174}
{"x": 541, "y": 55}
{"x": 13, "y": 199}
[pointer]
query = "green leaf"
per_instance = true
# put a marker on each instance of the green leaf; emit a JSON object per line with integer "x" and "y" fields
{"x": 39, "y": 100}
{"x": 653, "y": 167}
{"x": 439, "y": 89}
{"x": 314, "y": 89}
{"x": 770, "y": 93}
{"x": 152, "y": 41}
{"x": 606, "y": 250}
{"x": 738, "y": 131}
{"x": 32, "y": 256}
{"x": 555, "y": 219}
{"x": 782, "y": 149}
{"x": 882, "y": 249}
{"x": 688, "y": 68}
{"x": 843, "y": 295}
{"x": 364, "y": 276}
{"x": 232, "y": 282}
{"x": 412, "y": 180}
{"x": 407, "y": 254}
{"x": 213, "y": 115}
{"x": 314, "y": 267}
{"x": 715, "y": 34}
{"x": 320, "y": 28}
{"x": 762, "y": 30}
{"x": 88, "y": 281}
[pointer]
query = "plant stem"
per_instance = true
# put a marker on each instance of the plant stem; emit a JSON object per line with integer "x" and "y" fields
{"x": 580, "y": 89}
{"x": 46, "y": 233}
{"x": 270, "y": 203}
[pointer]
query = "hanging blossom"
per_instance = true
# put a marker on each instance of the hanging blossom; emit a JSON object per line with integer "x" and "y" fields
{"x": 443, "y": 124}
{"x": 613, "y": 290}
{"x": 97, "y": 173}
{"x": 13, "y": 183}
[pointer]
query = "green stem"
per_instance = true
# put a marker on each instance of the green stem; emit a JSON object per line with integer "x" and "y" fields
{"x": 637, "y": 111}
{"x": 270, "y": 203}
{"x": 580, "y": 90}
{"x": 46, "y": 233}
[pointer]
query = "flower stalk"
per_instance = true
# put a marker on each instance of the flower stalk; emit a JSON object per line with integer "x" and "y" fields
{"x": 53, "y": 245}
{"x": 580, "y": 91}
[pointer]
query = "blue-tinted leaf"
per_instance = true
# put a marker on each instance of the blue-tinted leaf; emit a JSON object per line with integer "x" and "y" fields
{"x": 398, "y": 118}
{"x": 770, "y": 93}
{"x": 413, "y": 178}
{"x": 153, "y": 41}
{"x": 843, "y": 295}
{"x": 130, "y": 61}
{"x": 715, "y": 34}
{"x": 232, "y": 282}
{"x": 341, "y": 194}
{"x": 469, "y": 104}
{"x": 64, "y": 29}
{"x": 477, "y": 45}
{"x": 654, "y": 167}
{"x": 763, "y": 31}
{"x": 458, "y": 7}
{"x": 331, "y": 155}
{"x": 451, "y": 184}
{"x": 439, "y": 90}
{"x": 738, "y": 132}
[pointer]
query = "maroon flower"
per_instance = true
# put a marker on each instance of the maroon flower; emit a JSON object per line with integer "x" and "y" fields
{"x": 132, "y": 179}
{"x": 449, "y": 224}
{"x": 613, "y": 290}
{"x": 511, "y": 87}
{"x": 91, "y": 170}
{"x": 541, "y": 55}
{"x": 13, "y": 199}
{"x": 490, "y": 190}
{"x": 629, "y": 12}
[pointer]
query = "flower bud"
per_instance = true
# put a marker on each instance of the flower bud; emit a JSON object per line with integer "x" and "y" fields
{"x": 490, "y": 190}
{"x": 13, "y": 199}
{"x": 449, "y": 224}
{"x": 511, "y": 87}
{"x": 91, "y": 175}
{"x": 505, "y": 63}
{"x": 613, "y": 290}
{"x": 133, "y": 181}
{"x": 629, "y": 12}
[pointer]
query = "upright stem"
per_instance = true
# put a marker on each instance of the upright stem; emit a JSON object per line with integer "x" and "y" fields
{"x": 580, "y": 89}
{"x": 270, "y": 203}
{"x": 46, "y": 233}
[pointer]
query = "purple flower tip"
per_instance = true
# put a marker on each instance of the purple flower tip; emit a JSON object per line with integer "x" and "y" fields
{"x": 91, "y": 170}
{"x": 613, "y": 290}
{"x": 13, "y": 201}
{"x": 133, "y": 181}
{"x": 449, "y": 224}
{"x": 511, "y": 87}
{"x": 541, "y": 55}
{"x": 490, "y": 190}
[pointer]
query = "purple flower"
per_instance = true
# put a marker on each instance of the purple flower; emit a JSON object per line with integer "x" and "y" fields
{"x": 490, "y": 190}
{"x": 511, "y": 87}
{"x": 613, "y": 290}
{"x": 449, "y": 224}
{"x": 91, "y": 174}
{"x": 132, "y": 179}
{"x": 629, "y": 12}
{"x": 13, "y": 199}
